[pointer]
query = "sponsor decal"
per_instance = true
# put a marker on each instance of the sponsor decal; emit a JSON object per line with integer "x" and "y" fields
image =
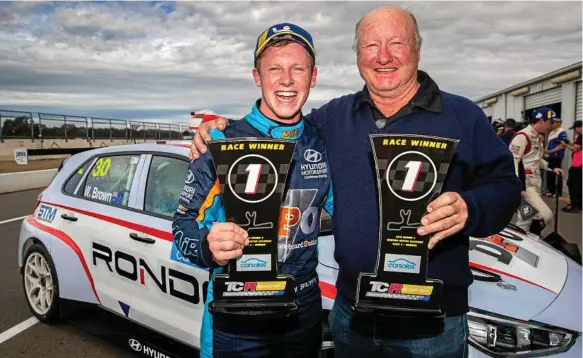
{"x": 399, "y": 291}
{"x": 135, "y": 269}
{"x": 290, "y": 134}
{"x": 402, "y": 263}
{"x": 503, "y": 250}
{"x": 46, "y": 213}
{"x": 181, "y": 209}
{"x": 297, "y": 214}
{"x": 285, "y": 28}
{"x": 259, "y": 288}
{"x": 254, "y": 263}
{"x": 189, "y": 177}
{"x": 187, "y": 193}
{"x": 21, "y": 156}
{"x": 315, "y": 168}
{"x": 305, "y": 285}
{"x": 145, "y": 349}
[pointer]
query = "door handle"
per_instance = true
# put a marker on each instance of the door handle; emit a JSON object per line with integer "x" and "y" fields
{"x": 147, "y": 240}
{"x": 69, "y": 217}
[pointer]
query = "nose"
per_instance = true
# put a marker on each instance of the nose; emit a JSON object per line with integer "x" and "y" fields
{"x": 384, "y": 56}
{"x": 286, "y": 78}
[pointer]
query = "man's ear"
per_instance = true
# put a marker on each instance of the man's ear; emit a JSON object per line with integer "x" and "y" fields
{"x": 314, "y": 75}
{"x": 256, "y": 77}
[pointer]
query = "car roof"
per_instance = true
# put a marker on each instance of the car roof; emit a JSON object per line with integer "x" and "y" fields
{"x": 180, "y": 149}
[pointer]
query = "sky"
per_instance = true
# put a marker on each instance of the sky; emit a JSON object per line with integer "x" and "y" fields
{"x": 160, "y": 61}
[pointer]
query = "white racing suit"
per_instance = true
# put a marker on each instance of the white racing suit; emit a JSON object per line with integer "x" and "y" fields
{"x": 527, "y": 149}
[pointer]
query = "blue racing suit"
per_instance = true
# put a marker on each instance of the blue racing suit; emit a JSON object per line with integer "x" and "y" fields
{"x": 309, "y": 190}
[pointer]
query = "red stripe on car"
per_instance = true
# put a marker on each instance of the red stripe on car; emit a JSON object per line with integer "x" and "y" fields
{"x": 67, "y": 240}
{"x": 164, "y": 235}
{"x": 328, "y": 290}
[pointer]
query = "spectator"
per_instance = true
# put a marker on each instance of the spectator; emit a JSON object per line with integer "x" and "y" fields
{"x": 555, "y": 153}
{"x": 509, "y": 131}
{"x": 527, "y": 149}
{"x": 574, "y": 179}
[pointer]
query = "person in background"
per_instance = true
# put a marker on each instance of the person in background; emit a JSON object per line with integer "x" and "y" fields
{"x": 574, "y": 179}
{"x": 555, "y": 153}
{"x": 509, "y": 131}
{"x": 527, "y": 149}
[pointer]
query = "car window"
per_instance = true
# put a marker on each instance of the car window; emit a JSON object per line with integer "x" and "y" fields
{"x": 109, "y": 180}
{"x": 164, "y": 184}
{"x": 74, "y": 181}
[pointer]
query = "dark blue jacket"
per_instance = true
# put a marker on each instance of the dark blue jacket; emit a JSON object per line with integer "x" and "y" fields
{"x": 482, "y": 172}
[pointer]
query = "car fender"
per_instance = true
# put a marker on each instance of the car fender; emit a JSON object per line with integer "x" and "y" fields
{"x": 75, "y": 279}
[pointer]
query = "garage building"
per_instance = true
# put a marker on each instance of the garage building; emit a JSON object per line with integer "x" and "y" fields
{"x": 560, "y": 90}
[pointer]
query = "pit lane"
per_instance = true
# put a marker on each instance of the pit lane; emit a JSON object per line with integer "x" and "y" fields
{"x": 66, "y": 340}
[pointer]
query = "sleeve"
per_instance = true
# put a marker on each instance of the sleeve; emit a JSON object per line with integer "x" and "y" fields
{"x": 329, "y": 202}
{"x": 517, "y": 147}
{"x": 317, "y": 117}
{"x": 200, "y": 205}
{"x": 493, "y": 191}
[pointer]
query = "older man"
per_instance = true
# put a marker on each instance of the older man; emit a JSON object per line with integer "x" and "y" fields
{"x": 481, "y": 192}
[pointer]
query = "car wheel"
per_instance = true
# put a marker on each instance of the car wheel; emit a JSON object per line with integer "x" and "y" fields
{"x": 40, "y": 283}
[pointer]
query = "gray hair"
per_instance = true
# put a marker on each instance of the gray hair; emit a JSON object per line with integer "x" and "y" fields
{"x": 418, "y": 38}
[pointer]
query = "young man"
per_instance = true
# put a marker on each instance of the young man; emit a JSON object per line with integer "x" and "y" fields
{"x": 527, "y": 150}
{"x": 285, "y": 71}
{"x": 574, "y": 179}
{"x": 555, "y": 154}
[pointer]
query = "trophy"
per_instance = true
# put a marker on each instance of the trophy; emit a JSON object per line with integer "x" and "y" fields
{"x": 252, "y": 173}
{"x": 410, "y": 171}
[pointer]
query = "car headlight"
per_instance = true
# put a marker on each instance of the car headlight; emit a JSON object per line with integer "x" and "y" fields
{"x": 500, "y": 336}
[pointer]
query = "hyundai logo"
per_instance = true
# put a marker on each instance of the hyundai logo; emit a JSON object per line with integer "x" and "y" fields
{"x": 135, "y": 345}
{"x": 312, "y": 156}
{"x": 190, "y": 177}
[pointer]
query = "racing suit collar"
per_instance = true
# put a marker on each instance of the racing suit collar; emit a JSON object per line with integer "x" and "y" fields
{"x": 272, "y": 128}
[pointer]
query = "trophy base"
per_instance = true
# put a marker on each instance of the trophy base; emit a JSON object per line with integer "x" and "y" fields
{"x": 417, "y": 298}
{"x": 254, "y": 308}
{"x": 265, "y": 295}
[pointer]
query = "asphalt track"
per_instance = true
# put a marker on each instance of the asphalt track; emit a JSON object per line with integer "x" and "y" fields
{"x": 64, "y": 339}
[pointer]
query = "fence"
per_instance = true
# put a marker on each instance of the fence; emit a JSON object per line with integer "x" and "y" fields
{"x": 22, "y": 125}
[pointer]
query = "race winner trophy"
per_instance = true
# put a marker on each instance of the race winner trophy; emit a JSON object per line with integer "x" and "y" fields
{"x": 252, "y": 175}
{"x": 410, "y": 174}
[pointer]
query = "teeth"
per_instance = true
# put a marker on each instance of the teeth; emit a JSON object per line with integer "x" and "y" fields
{"x": 287, "y": 93}
{"x": 386, "y": 69}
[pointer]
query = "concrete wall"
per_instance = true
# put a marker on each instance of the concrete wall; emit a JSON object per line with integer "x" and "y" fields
{"x": 11, "y": 182}
{"x": 8, "y": 145}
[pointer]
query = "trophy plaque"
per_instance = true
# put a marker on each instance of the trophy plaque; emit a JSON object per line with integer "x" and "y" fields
{"x": 410, "y": 171}
{"x": 252, "y": 174}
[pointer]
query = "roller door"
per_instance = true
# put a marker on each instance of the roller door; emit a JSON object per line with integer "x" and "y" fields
{"x": 488, "y": 111}
{"x": 578, "y": 103}
{"x": 543, "y": 98}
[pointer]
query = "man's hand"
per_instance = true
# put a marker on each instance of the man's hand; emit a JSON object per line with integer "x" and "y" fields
{"x": 447, "y": 216}
{"x": 202, "y": 135}
{"x": 226, "y": 242}
{"x": 560, "y": 172}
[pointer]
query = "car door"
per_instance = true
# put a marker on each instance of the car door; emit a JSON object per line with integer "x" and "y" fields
{"x": 95, "y": 215}
{"x": 171, "y": 300}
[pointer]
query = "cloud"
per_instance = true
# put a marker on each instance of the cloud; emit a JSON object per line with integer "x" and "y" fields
{"x": 137, "y": 60}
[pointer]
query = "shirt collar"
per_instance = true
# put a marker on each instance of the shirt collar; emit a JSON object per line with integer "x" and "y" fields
{"x": 427, "y": 97}
{"x": 272, "y": 128}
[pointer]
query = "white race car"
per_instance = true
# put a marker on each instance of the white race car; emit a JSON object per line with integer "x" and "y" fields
{"x": 100, "y": 237}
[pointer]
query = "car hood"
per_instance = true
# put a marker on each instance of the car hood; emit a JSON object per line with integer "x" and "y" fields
{"x": 516, "y": 275}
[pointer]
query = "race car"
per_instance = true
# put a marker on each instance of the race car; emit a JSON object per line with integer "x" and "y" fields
{"x": 100, "y": 241}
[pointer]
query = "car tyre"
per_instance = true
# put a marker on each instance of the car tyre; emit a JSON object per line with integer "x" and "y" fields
{"x": 41, "y": 284}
